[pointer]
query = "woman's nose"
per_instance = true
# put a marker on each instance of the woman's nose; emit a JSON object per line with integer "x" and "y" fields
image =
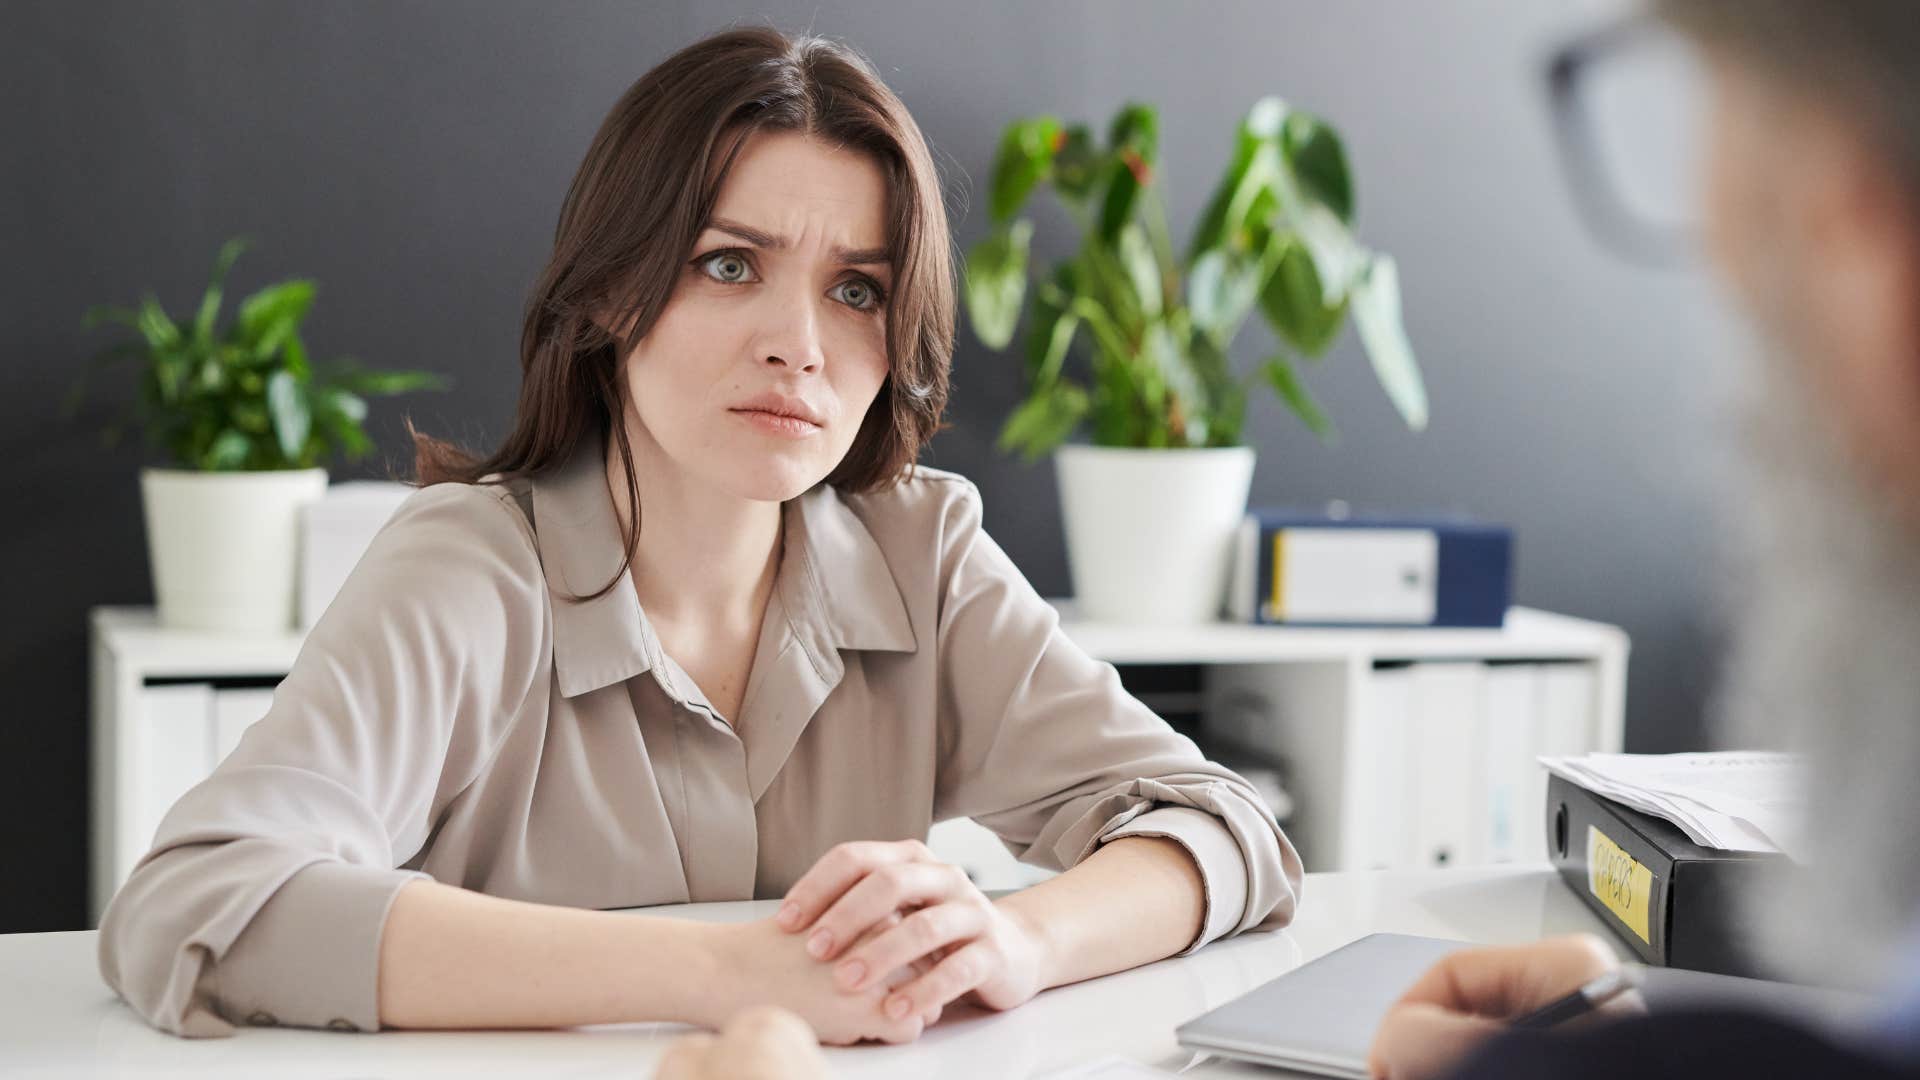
{"x": 793, "y": 333}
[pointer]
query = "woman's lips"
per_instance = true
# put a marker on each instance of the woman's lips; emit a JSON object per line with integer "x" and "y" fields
{"x": 790, "y": 426}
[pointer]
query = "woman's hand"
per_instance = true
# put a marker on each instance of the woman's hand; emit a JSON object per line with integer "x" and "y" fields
{"x": 1470, "y": 996}
{"x": 763, "y": 1043}
{"x": 974, "y": 947}
{"x": 761, "y": 964}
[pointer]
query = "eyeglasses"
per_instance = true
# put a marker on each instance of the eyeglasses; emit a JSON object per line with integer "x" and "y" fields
{"x": 1627, "y": 101}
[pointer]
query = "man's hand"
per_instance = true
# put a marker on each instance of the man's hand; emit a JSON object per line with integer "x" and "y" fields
{"x": 1470, "y": 996}
{"x": 764, "y": 1043}
{"x": 974, "y": 947}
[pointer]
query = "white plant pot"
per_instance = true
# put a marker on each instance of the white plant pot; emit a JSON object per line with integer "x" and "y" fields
{"x": 224, "y": 547}
{"x": 1150, "y": 532}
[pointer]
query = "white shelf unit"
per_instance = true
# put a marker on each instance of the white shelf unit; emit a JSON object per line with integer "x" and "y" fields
{"x": 1397, "y": 742}
{"x": 167, "y": 704}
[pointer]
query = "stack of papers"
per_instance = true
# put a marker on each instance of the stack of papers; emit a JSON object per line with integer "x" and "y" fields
{"x": 1732, "y": 801}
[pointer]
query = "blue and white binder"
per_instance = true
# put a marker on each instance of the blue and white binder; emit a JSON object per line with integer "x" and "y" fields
{"x": 1315, "y": 569}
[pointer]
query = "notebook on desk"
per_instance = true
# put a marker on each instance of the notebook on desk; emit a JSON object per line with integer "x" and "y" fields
{"x": 1320, "y": 1017}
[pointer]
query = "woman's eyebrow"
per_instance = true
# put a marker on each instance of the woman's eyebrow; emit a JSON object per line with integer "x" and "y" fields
{"x": 764, "y": 239}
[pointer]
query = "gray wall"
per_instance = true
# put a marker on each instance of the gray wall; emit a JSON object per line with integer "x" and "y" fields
{"x": 412, "y": 156}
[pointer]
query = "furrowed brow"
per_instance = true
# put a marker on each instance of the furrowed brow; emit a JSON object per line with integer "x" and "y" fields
{"x": 764, "y": 239}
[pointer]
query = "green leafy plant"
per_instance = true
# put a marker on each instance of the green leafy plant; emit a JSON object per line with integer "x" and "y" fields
{"x": 1276, "y": 237}
{"x": 247, "y": 398}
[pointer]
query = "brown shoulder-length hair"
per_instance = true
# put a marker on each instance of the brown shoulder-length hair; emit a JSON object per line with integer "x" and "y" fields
{"x": 639, "y": 201}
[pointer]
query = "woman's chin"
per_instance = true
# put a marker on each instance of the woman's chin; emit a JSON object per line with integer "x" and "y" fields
{"x": 772, "y": 481}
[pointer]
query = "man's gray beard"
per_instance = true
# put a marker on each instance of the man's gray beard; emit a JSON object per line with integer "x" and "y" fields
{"x": 1822, "y": 607}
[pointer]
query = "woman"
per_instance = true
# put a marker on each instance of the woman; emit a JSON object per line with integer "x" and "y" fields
{"x": 699, "y": 630}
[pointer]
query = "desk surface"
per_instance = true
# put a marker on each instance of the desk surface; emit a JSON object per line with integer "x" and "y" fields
{"x": 58, "y": 1019}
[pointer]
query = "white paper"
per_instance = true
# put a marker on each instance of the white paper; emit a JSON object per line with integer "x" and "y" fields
{"x": 1729, "y": 800}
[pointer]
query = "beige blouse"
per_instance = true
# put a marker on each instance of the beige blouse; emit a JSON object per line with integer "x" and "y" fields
{"x": 452, "y": 716}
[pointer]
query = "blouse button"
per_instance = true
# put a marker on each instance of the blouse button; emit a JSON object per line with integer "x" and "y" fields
{"x": 341, "y": 1023}
{"x": 263, "y": 1019}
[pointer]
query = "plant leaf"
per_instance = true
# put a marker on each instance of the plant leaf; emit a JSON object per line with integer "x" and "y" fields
{"x": 1337, "y": 258}
{"x": 350, "y": 406}
{"x": 1376, "y": 314}
{"x": 1319, "y": 162}
{"x": 1116, "y": 207}
{"x": 1253, "y": 144}
{"x": 1026, "y": 154}
{"x": 1078, "y": 165}
{"x": 1286, "y": 382}
{"x": 210, "y": 303}
{"x": 1295, "y": 303}
{"x": 1044, "y": 420}
{"x": 272, "y": 315}
{"x": 1221, "y": 289}
{"x": 287, "y": 402}
{"x": 294, "y": 358}
{"x": 1136, "y": 127}
{"x": 996, "y": 282}
{"x": 388, "y": 383}
{"x": 1051, "y": 331}
{"x": 1143, "y": 271}
{"x": 1226, "y": 398}
{"x": 227, "y": 452}
{"x": 1109, "y": 286}
{"x": 1266, "y": 117}
{"x": 156, "y": 325}
{"x": 1187, "y": 399}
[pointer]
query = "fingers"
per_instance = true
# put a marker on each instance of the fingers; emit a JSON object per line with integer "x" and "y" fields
{"x": 836, "y": 872}
{"x": 884, "y": 890}
{"x": 1418, "y": 1040}
{"x": 917, "y": 937}
{"x": 950, "y": 978}
{"x": 1505, "y": 981}
{"x": 686, "y": 1058}
{"x": 1469, "y": 995}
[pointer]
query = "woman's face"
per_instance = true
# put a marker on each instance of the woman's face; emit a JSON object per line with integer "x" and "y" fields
{"x": 781, "y": 308}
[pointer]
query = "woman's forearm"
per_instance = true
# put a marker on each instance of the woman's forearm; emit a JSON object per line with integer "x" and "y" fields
{"x": 1135, "y": 900}
{"x": 453, "y": 958}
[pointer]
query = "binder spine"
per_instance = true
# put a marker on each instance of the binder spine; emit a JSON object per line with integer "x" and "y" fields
{"x": 1692, "y": 919}
{"x": 1470, "y": 567}
{"x": 1602, "y": 857}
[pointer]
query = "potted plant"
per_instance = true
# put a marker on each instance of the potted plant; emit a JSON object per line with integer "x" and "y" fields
{"x": 1150, "y": 507}
{"x": 247, "y": 421}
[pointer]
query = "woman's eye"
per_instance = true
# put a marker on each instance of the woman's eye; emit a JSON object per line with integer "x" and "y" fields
{"x": 727, "y": 267}
{"x": 859, "y": 294}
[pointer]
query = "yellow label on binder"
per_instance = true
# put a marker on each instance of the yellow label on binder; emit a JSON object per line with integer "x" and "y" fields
{"x": 1619, "y": 882}
{"x": 1279, "y": 575}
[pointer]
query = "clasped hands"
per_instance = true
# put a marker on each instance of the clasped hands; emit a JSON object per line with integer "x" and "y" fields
{"x": 876, "y": 940}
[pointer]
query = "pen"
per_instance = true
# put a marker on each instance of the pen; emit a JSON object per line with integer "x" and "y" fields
{"x": 1592, "y": 995}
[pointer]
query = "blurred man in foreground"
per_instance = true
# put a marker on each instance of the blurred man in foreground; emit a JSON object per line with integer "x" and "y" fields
{"x": 1812, "y": 213}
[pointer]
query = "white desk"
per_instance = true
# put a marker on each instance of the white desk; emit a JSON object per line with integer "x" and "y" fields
{"x": 58, "y": 1019}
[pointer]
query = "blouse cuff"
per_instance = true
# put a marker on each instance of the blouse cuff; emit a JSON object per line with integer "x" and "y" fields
{"x": 1223, "y": 869}
{"x": 311, "y": 956}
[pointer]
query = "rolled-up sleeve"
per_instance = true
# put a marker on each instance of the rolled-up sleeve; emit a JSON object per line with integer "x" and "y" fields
{"x": 1041, "y": 744}
{"x": 268, "y": 885}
